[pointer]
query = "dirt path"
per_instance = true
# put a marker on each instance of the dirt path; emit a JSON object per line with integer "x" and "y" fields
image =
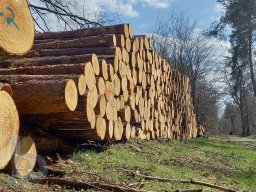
{"x": 248, "y": 142}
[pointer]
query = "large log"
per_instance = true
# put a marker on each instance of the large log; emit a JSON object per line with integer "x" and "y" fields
{"x": 94, "y": 41}
{"x": 72, "y": 51}
{"x": 40, "y": 61}
{"x": 114, "y": 29}
{"x": 16, "y": 28}
{"x": 9, "y": 128}
{"x": 64, "y": 69}
{"x": 45, "y": 96}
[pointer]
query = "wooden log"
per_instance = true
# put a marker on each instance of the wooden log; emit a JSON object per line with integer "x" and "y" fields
{"x": 109, "y": 91}
{"x": 93, "y": 41}
{"x": 6, "y": 87}
{"x": 110, "y": 129}
{"x": 81, "y": 136}
{"x": 118, "y": 129}
{"x": 9, "y": 128}
{"x": 41, "y": 61}
{"x": 45, "y": 96}
{"x": 101, "y": 127}
{"x": 101, "y": 86}
{"x": 17, "y": 28}
{"x": 116, "y": 85}
{"x": 122, "y": 69}
{"x": 24, "y": 158}
{"x": 64, "y": 69}
{"x": 69, "y": 51}
{"x": 127, "y": 131}
{"x": 103, "y": 69}
{"x": 114, "y": 29}
{"x": 128, "y": 45}
{"x": 89, "y": 76}
{"x": 81, "y": 84}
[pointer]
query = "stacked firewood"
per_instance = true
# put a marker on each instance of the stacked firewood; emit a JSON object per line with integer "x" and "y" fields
{"x": 100, "y": 84}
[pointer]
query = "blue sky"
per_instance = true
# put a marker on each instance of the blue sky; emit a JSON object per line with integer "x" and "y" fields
{"x": 143, "y": 16}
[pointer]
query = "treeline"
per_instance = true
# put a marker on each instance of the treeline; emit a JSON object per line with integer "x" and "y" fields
{"x": 193, "y": 53}
{"x": 239, "y": 68}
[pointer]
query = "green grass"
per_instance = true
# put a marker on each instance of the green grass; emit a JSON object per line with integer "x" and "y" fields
{"x": 213, "y": 160}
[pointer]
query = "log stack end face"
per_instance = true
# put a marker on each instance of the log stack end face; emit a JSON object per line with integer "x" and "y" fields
{"x": 125, "y": 89}
{"x": 9, "y": 128}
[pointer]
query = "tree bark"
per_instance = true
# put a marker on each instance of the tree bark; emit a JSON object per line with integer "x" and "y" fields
{"x": 114, "y": 29}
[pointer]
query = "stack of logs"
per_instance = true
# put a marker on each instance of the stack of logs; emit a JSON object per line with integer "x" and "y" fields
{"x": 100, "y": 84}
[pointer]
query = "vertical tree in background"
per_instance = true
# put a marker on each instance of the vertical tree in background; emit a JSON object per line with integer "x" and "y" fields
{"x": 240, "y": 16}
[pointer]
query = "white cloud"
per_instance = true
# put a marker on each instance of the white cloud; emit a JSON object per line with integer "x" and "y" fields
{"x": 219, "y": 8}
{"x": 127, "y": 7}
{"x": 156, "y": 3}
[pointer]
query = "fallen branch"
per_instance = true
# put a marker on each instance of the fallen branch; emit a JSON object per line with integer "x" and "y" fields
{"x": 190, "y": 190}
{"x": 84, "y": 185}
{"x": 187, "y": 181}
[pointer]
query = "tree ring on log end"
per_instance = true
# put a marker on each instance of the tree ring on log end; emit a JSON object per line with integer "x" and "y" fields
{"x": 17, "y": 27}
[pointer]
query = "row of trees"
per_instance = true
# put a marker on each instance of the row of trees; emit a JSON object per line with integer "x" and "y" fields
{"x": 239, "y": 72}
{"x": 191, "y": 51}
{"x": 177, "y": 40}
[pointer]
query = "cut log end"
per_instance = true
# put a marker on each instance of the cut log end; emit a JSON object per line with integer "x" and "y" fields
{"x": 81, "y": 85}
{"x": 89, "y": 76}
{"x": 101, "y": 127}
{"x": 25, "y": 155}
{"x": 71, "y": 95}
{"x": 16, "y": 37}
{"x": 9, "y": 128}
{"x": 95, "y": 64}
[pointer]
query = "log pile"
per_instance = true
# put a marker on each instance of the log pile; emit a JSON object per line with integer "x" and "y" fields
{"x": 100, "y": 84}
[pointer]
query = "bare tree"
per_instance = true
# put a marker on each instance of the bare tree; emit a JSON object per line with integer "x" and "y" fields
{"x": 67, "y": 15}
{"x": 177, "y": 40}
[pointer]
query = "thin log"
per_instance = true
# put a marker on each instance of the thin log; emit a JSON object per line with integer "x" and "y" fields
{"x": 93, "y": 41}
{"x": 114, "y": 29}
{"x": 187, "y": 181}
